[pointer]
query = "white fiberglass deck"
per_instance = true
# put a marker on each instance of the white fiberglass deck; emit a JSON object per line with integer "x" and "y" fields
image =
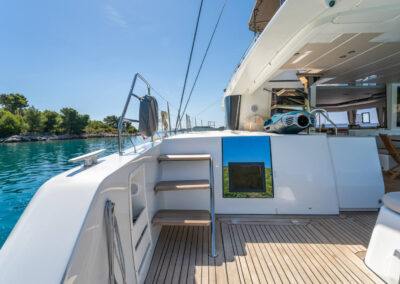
{"x": 267, "y": 249}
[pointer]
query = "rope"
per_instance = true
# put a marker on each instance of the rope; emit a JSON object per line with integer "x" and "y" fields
{"x": 207, "y": 107}
{"x": 158, "y": 94}
{"x": 188, "y": 66}
{"x": 113, "y": 242}
{"x": 204, "y": 58}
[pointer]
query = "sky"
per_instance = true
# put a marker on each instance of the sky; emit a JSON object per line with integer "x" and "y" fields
{"x": 254, "y": 149}
{"x": 84, "y": 54}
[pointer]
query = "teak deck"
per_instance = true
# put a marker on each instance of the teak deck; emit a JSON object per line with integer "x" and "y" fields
{"x": 182, "y": 185}
{"x": 267, "y": 249}
{"x": 182, "y": 218}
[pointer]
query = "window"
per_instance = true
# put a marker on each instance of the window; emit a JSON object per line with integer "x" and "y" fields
{"x": 246, "y": 177}
{"x": 365, "y": 117}
{"x": 339, "y": 118}
{"x": 398, "y": 106}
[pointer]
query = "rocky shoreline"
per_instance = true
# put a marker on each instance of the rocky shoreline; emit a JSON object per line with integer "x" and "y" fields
{"x": 46, "y": 137}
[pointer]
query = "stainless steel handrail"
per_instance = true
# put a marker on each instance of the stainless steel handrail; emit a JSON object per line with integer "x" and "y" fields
{"x": 212, "y": 208}
{"x": 122, "y": 118}
{"x": 324, "y": 113}
{"x": 114, "y": 244}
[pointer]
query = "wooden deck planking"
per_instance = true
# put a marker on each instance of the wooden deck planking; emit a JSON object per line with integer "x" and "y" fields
{"x": 269, "y": 265}
{"x": 180, "y": 274}
{"x": 184, "y": 157}
{"x": 328, "y": 255}
{"x": 313, "y": 254}
{"x": 267, "y": 249}
{"x": 280, "y": 255}
{"x": 182, "y": 218}
{"x": 173, "y": 185}
{"x": 311, "y": 271}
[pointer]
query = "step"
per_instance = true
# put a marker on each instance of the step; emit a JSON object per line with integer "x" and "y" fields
{"x": 288, "y": 107}
{"x": 182, "y": 185}
{"x": 184, "y": 157}
{"x": 291, "y": 92}
{"x": 182, "y": 218}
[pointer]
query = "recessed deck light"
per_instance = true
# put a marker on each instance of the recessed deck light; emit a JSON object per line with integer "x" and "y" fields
{"x": 351, "y": 52}
{"x": 343, "y": 56}
{"x": 301, "y": 56}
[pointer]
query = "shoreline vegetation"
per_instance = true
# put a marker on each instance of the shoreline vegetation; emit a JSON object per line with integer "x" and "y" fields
{"x": 49, "y": 137}
{"x": 20, "y": 122}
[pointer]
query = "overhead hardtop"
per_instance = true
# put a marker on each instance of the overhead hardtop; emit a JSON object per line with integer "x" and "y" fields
{"x": 350, "y": 42}
{"x": 262, "y": 13}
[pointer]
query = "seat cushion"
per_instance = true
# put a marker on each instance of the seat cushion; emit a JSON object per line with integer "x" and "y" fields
{"x": 392, "y": 201}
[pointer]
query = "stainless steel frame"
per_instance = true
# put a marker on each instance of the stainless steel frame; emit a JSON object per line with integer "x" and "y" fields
{"x": 122, "y": 118}
{"x": 120, "y": 126}
{"x": 212, "y": 208}
{"x": 325, "y": 114}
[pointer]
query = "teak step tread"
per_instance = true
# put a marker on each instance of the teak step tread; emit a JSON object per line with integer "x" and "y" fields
{"x": 291, "y": 92}
{"x": 289, "y": 107}
{"x": 184, "y": 157}
{"x": 182, "y": 185}
{"x": 182, "y": 218}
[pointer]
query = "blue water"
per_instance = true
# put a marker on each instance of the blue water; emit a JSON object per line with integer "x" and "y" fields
{"x": 24, "y": 167}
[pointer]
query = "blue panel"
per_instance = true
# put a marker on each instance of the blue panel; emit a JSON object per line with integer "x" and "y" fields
{"x": 246, "y": 149}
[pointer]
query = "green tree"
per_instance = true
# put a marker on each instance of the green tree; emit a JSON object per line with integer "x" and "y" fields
{"x": 128, "y": 126}
{"x": 96, "y": 126}
{"x": 112, "y": 121}
{"x": 52, "y": 121}
{"x": 10, "y": 124}
{"x": 35, "y": 120}
{"x": 72, "y": 121}
{"x": 13, "y": 103}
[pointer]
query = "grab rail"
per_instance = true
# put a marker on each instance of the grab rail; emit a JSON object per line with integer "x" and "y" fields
{"x": 114, "y": 244}
{"x": 212, "y": 208}
{"x": 326, "y": 115}
{"x": 122, "y": 118}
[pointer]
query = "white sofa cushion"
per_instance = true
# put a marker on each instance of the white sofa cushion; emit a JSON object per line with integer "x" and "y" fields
{"x": 392, "y": 201}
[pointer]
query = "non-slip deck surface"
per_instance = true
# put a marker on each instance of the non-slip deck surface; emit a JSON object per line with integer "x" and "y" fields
{"x": 267, "y": 249}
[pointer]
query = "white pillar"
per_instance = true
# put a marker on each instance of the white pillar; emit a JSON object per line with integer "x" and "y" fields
{"x": 313, "y": 96}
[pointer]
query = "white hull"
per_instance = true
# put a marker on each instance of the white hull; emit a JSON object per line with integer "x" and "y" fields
{"x": 61, "y": 235}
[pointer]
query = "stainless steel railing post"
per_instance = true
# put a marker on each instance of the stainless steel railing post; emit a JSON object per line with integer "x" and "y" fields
{"x": 212, "y": 208}
{"x": 324, "y": 113}
{"x": 122, "y": 118}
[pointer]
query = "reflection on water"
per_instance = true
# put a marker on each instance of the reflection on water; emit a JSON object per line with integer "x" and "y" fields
{"x": 24, "y": 167}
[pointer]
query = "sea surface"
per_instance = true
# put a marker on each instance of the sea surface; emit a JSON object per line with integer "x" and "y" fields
{"x": 24, "y": 167}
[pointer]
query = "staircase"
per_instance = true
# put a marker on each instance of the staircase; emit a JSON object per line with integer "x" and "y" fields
{"x": 188, "y": 217}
